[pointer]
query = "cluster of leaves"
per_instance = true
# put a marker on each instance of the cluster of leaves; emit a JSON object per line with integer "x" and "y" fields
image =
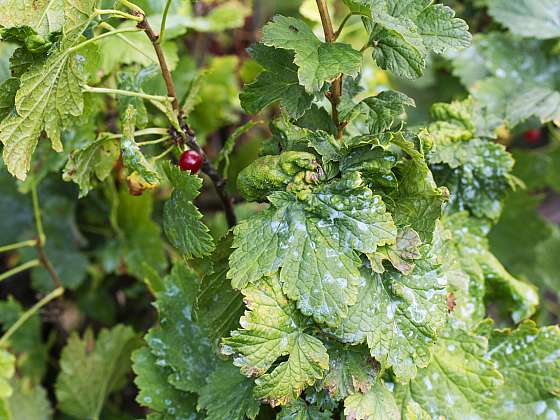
{"x": 360, "y": 278}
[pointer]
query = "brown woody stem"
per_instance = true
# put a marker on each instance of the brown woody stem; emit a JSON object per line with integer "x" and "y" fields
{"x": 336, "y": 87}
{"x": 187, "y": 135}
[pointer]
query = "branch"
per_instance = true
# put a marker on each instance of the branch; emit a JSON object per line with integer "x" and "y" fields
{"x": 336, "y": 87}
{"x": 187, "y": 135}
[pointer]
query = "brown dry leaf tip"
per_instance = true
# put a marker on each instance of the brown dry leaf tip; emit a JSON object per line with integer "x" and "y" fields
{"x": 451, "y": 302}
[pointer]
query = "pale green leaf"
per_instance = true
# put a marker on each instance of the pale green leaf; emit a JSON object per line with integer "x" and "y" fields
{"x": 460, "y": 381}
{"x": 133, "y": 158}
{"x": 45, "y": 16}
{"x": 324, "y": 230}
{"x": 529, "y": 359}
{"x": 49, "y": 93}
{"x": 28, "y": 401}
{"x": 385, "y": 108}
{"x": 398, "y": 316}
{"x": 92, "y": 163}
{"x": 529, "y": 18}
{"x": 91, "y": 369}
{"x": 7, "y": 370}
{"x": 181, "y": 218}
{"x": 271, "y": 328}
{"x": 376, "y": 404}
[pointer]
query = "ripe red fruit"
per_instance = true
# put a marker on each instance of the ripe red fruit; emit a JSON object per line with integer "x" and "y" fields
{"x": 190, "y": 161}
{"x": 533, "y": 136}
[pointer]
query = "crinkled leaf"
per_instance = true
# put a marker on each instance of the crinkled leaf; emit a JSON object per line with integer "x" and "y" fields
{"x": 133, "y": 158}
{"x": 459, "y": 382}
{"x": 271, "y": 328}
{"x": 277, "y": 83}
{"x": 92, "y": 163}
{"x": 477, "y": 173}
{"x": 351, "y": 370}
{"x": 529, "y": 18}
{"x": 385, "y": 108}
{"x": 398, "y": 316}
{"x": 8, "y": 89}
{"x": 376, "y": 404}
{"x": 323, "y": 231}
{"x": 49, "y": 93}
{"x": 519, "y": 297}
{"x": 401, "y": 254}
{"x": 156, "y": 392}
{"x": 403, "y": 33}
{"x": 529, "y": 359}
{"x": 44, "y": 16}
{"x": 91, "y": 369}
{"x": 179, "y": 342}
{"x": 181, "y": 218}
{"x": 318, "y": 62}
{"x": 228, "y": 395}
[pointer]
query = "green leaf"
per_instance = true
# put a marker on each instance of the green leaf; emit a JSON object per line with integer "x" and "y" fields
{"x": 218, "y": 305}
{"x": 318, "y": 62}
{"x": 529, "y": 359}
{"x": 180, "y": 343}
{"x": 376, "y": 404}
{"x": 156, "y": 392}
{"x": 519, "y": 297}
{"x": 181, "y": 218}
{"x": 325, "y": 229}
{"x": 272, "y": 328}
{"x": 141, "y": 244}
{"x": 351, "y": 370}
{"x": 50, "y": 92}
{"x": 226, "y": 15}
{"x": 477, "y": 173}
{"x": 385, "y": 108}
{"x": 398, "y": 316}
{"x": 300, "y": 410}
{"x": 45, "y": 16}
{"x": 133, "y": 158}
{"x": 514, "y": 78}
{"x": 28, "y": 401}
{"x": 403, "y": 34}
{"x": 459, "y": 382}
{"x": 277, "y": 83}
{"x": 92, "y": 369}
{"x": 8, "y": 89}
{"x": 401, "y": 255}
{"x": 228, "y": 395}
{"x": 529, "y": 18}
{"x": 7, "y": 370}
{"x": 92, "y": 163}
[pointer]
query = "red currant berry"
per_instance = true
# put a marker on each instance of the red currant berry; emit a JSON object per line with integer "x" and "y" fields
{"x": 533, "y": 136}
{"x": 190, "y": 161}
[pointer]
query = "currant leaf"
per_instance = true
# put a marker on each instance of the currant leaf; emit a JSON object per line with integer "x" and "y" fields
{"x": 318, "y": 62}
{"x": 376, "y": 404}
{"x": 92, "y": 163}
{"x": 271, "y": 328}
{"x": 459, "y": 379}
{"x": 90, "y": 372}
{"x": 277, "y": 83}
{"x": 181, "y": 218}
{"x": 528, "y": 18}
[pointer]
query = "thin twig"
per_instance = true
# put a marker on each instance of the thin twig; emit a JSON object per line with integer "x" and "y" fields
{"x": 41, "y": 238}
{"x": 187, "y": 136}
{"x": 18, "y": 245}
{"x": 342, "y": 24}
{"x": 29, "y": 313}
{"x": 336, "y": 87}
{"x": 19, "y": 269}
